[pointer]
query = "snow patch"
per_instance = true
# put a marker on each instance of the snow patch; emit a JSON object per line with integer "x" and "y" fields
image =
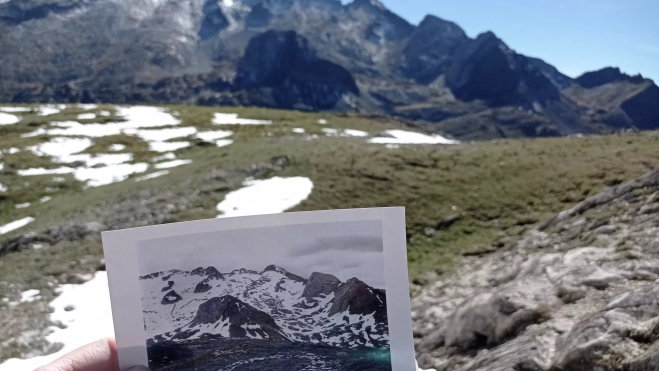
{"x": 117, "y": 147}
{"x": 166, "y": 156}
{"x": 86, "y": 116}
{"x": 152, "y": 175}
{"x": 42, "y": 171}
{"x": 135, "y": 117}
{"x": 409, "y": 137}
{"x": 109, "y": 174}
{"x": 171, "y": 164}
{"x": 31, "y": 295}
{"x": 223, "y": 142}
{"x": 45, "y": 199}
{"x": 299, "y": 130}
{"x": 145, "y": 116}
{"x": 322, "y": 121}
{"x": 330, "y": 132}
{"x": 3, "y": 188}
{"x": 269, "y": 196}
{"x": 355, "y": 133}
{"x": 161, "y": 135}
{"x": 7, "y": 119}
{"x": 167, "y": 146}
{"x": 232, "y": 119}
{"x": 16, "y": 224}
{"x": 89, "y": 321}
{"x": 61, "y": 149}
{"x": 210, "y": 136}
{"x": 94, "y": 177}
{"x": 51, "y": 109}
{"x": 15, "y": 109}
{"x": 88, "y": 107}
{"x": 22, "y": 206}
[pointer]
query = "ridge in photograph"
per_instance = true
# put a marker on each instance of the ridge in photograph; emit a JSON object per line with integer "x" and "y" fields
{"x": 294, "y": 297}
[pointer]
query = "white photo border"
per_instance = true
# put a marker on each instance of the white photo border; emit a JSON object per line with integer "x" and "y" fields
{"x": 121, "y": 259}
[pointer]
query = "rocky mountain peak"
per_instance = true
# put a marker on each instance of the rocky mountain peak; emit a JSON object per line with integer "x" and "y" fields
{"x": 214, "y": 20}
{"x": 285, "y": 62}
{"x": 606, "y": 75}
{"x": 487, "y": 69}
{"x": 356, "y": 297}
{"x": 368, "y": 4}
{"x": 320, "y": 284}
{"x": 210, "y": 272}
{"x": 275, "y": 268}
{"x": 15, "y": 12}
{"x": 443, "y": 27}
{"x": 280, "y": 270}
{"x": 243, "y": 320}
{"x": 382, "y": 25}
{"x": 430, "y": 49}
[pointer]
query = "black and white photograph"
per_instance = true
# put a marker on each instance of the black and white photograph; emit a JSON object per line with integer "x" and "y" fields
{"x": 294, "y": 297}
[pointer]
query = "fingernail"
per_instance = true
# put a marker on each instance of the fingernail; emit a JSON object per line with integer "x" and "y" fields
{"x": 138, "y": 368}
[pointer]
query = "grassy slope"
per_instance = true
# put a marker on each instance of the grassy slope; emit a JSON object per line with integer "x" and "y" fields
{"x": 498, "y": 188}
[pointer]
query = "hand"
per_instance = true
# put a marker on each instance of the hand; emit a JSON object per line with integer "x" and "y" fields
{"x": 100, "y": 355}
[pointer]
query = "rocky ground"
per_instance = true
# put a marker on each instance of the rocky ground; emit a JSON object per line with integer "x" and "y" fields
{"x": 578, "y": 292}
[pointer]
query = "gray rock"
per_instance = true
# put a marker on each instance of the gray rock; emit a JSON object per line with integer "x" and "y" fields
{"x": 547, "y": 302}
{"x": 649, "y": 209}
{"x": 605, "y": 229}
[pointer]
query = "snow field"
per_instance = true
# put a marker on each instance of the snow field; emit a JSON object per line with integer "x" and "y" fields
{"x": 409, "y": 137}
{"x": 269, "y": 196}
{"x": 84, "y": 310}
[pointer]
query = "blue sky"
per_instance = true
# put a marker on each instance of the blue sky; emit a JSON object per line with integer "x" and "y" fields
{"x": 573, "y": 35}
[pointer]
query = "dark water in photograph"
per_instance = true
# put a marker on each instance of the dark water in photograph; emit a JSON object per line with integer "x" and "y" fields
{"x": 260, "y": 355}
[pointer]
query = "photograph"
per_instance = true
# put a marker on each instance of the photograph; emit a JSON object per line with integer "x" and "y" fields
{"x": 292, "y": 296}
{"x": 301, "y": 297}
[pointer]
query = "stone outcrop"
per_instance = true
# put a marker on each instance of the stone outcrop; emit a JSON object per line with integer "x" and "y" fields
{"x": 578, "y": 292}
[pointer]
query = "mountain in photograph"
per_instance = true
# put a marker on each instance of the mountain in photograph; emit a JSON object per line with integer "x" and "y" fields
{"x": 272, "y": 305}
{"x": 309, "y": 55}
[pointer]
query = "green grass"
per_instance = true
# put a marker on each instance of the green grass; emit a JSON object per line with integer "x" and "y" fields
{"x": 499, "y": 189}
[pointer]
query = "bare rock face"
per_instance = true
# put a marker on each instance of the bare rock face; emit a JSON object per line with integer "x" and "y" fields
{"x": 284, "y": 67}
{"x": 243, "y": 319}
{"x": 606, "y": 76}
{"x": 576, "y": 293}
{"x": 320, "y": 284}
{"x": 170, "y": 298}
{"x": 431, "y": 48}
{"x": 487, "y": 69}
{"x": 357, "y": 297}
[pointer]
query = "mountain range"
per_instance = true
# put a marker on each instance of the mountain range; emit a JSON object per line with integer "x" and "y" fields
{"x": 271, "y": 305}
{"x": 307, "y": 55}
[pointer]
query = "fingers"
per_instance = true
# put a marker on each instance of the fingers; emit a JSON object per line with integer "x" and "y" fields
{"x": 100, "y": 355}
